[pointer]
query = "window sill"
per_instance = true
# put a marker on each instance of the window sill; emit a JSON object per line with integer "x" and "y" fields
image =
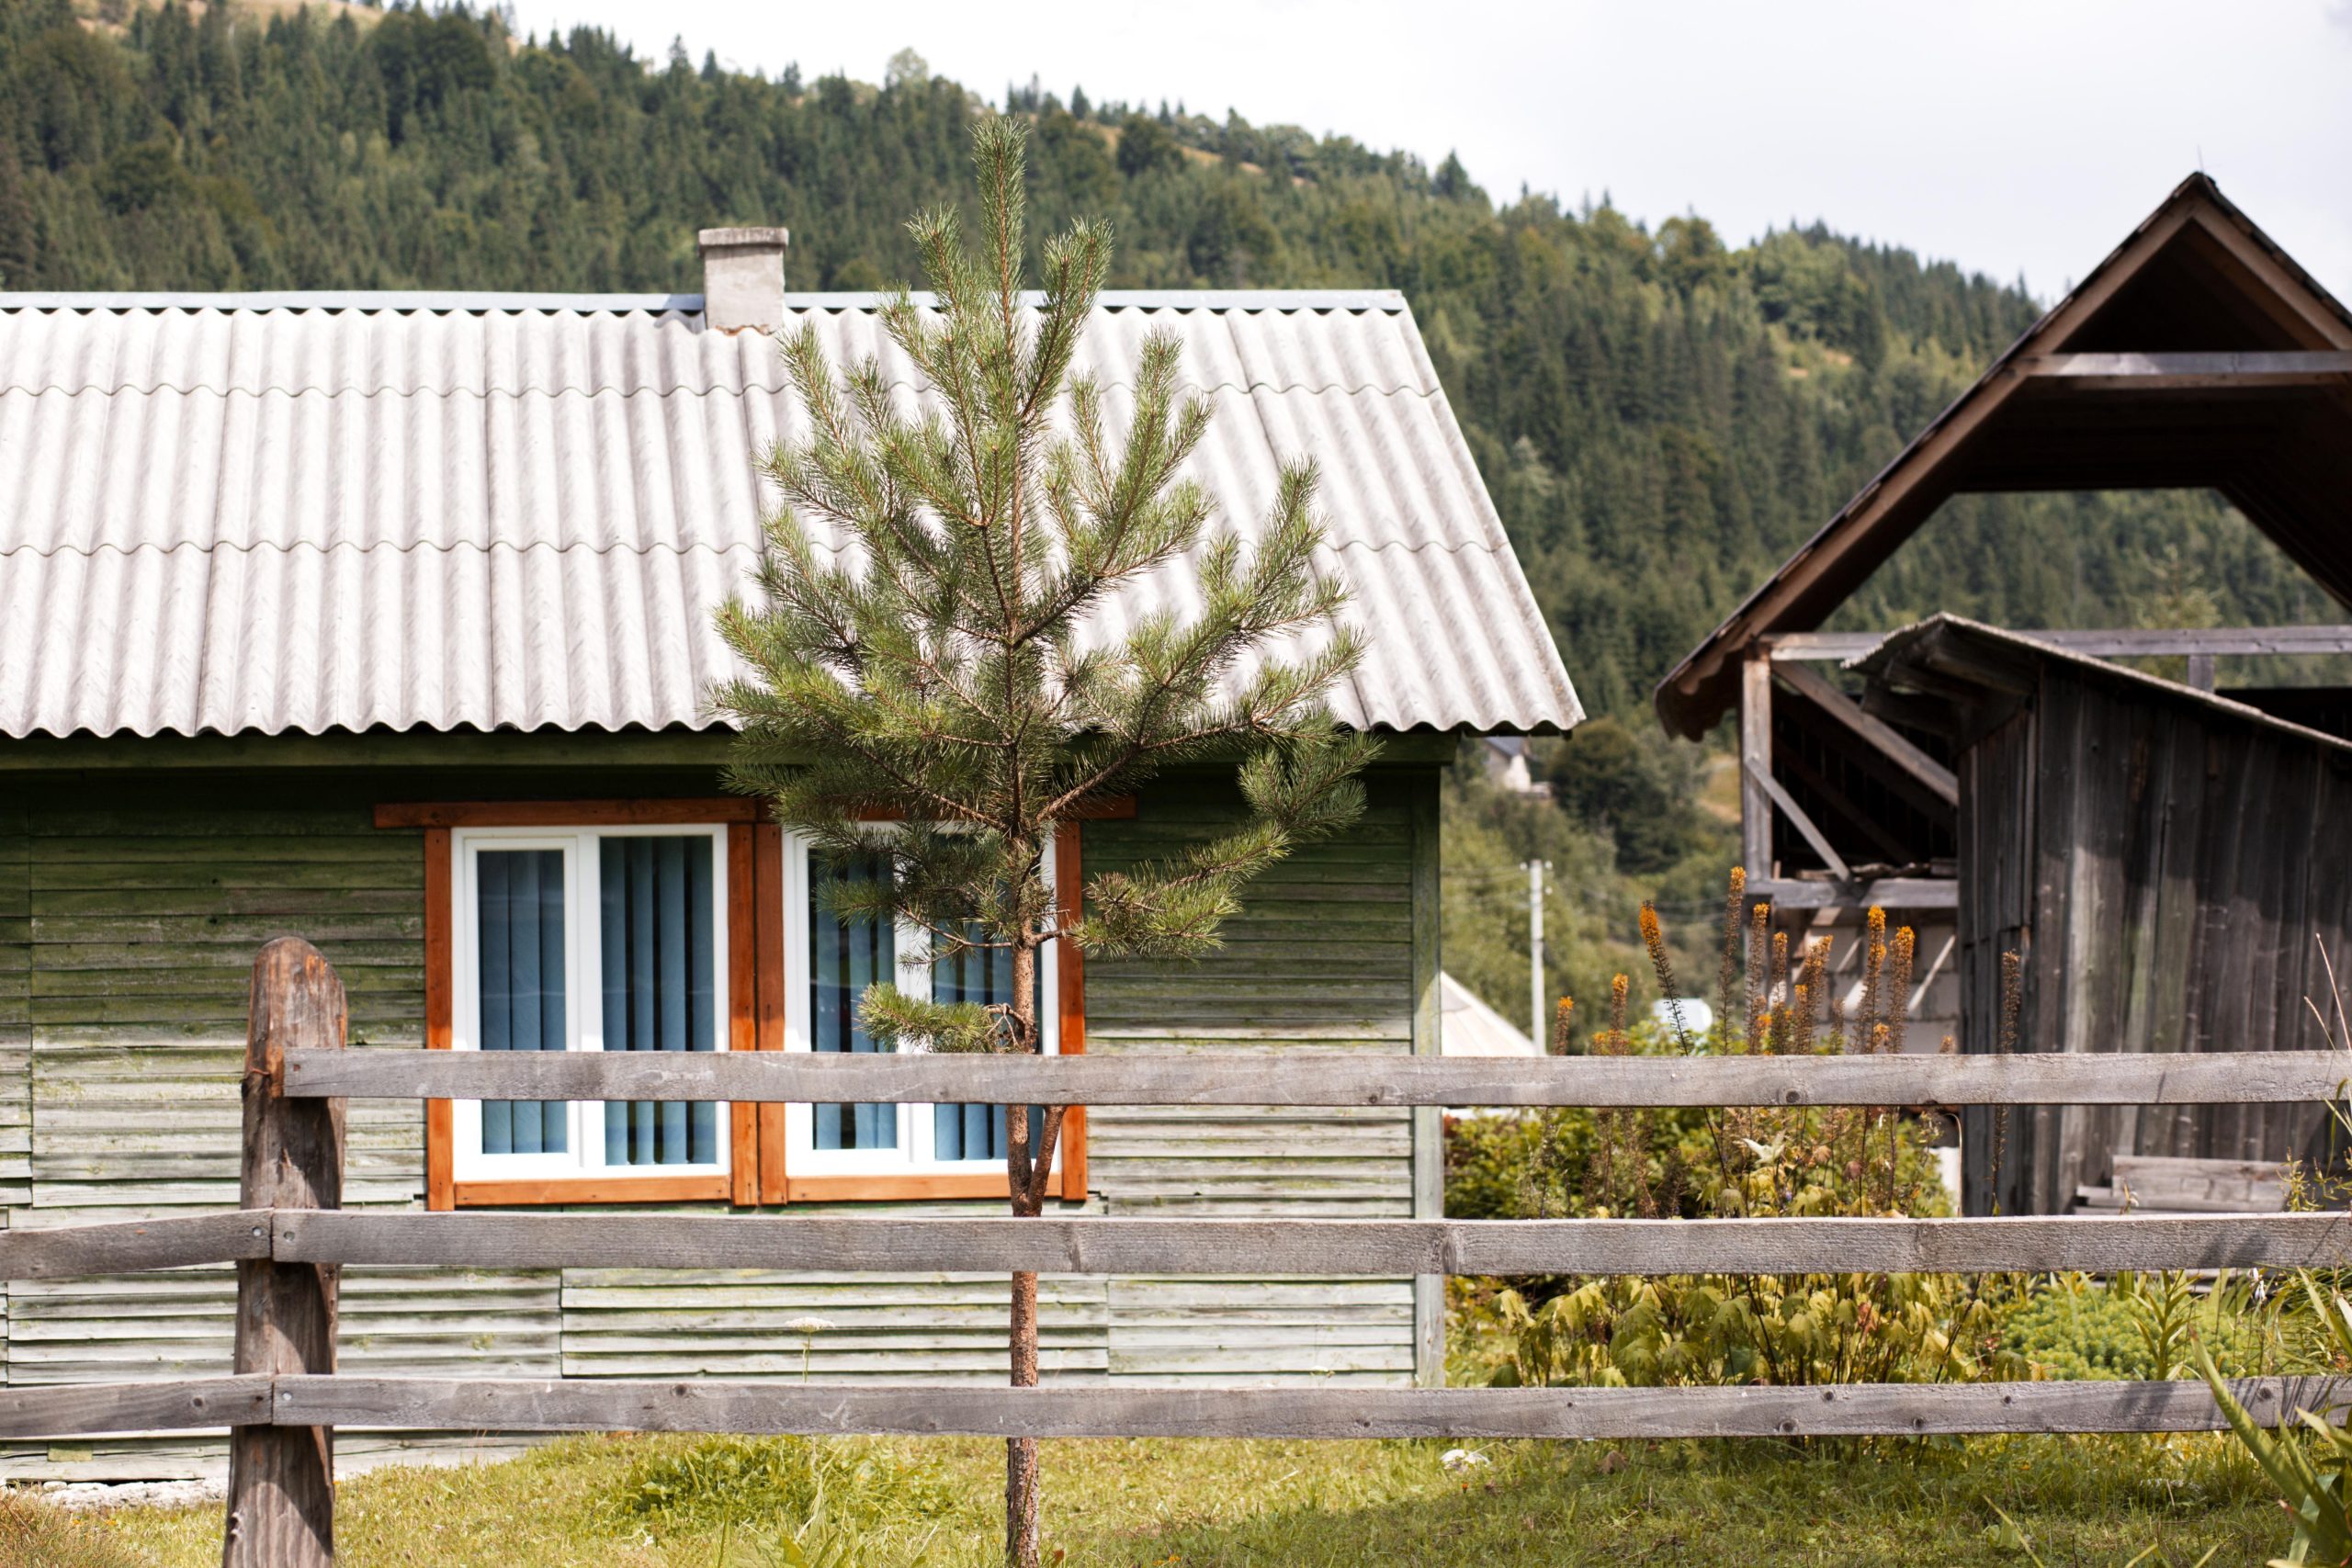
{"x": 595, "y": 1189}
{"x": 867, "y": 1189}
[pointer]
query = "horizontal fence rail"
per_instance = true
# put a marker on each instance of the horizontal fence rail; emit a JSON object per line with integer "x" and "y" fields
{"x": 1376, "y": 1248}
{"x": 1210, "y": 1079}
{"x": 581, "y": 1405}
{"x": 291, "y": 1239}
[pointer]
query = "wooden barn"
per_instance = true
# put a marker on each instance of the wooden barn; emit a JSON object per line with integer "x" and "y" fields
{"x": 2040, "y": 797}
{"x": 386, "y": 620}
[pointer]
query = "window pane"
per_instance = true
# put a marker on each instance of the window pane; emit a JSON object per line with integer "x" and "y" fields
{"x": 657, "y": 925}
{"x": 520, "y": 910}
{"x": 845, "y": 957}
{"x": 977, "y": 1131}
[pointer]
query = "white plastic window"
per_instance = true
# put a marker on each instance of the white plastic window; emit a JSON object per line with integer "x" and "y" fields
{"x": 590, "y": 939}
{"x": 827, "y": 964}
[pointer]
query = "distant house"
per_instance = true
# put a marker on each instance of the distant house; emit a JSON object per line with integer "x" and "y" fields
{"x": 2013, "y": 792}
{"x": 1474, "y": 1029}
{"x": 386, "y": 620}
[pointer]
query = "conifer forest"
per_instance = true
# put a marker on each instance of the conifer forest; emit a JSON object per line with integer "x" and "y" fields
{"x": 1660, "y": 416}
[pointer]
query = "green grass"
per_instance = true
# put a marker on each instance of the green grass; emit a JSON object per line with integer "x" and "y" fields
{"x": 638, "y": 1502}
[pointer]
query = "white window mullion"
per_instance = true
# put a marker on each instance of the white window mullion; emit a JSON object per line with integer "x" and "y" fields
{"x": 588, "y": 1033}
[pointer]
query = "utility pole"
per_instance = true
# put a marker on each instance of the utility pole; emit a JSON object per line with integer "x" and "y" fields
{"x": 1535, "y": 987}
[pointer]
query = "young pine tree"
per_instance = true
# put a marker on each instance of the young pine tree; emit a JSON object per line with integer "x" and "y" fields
{"x": 930, "y": 684}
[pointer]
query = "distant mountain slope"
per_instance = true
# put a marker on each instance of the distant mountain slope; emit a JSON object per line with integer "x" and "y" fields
{"x": 1660, "y": 418}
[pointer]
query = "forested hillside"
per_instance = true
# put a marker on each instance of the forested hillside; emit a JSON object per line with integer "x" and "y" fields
{"x": 1660, "y": 418}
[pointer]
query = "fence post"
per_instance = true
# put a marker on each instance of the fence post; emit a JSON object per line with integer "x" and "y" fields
{"x": 281, "y": 1479}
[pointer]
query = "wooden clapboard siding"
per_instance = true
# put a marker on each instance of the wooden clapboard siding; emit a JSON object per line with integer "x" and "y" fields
{"x": 182, "y": 1456}
{"x": 400, "y": 1322}
{"x": 1234, "y": 1331}
{"x": 1320, "y": 959}
{"x": 893, "y": 1328}
{"x": 128, "y": 917}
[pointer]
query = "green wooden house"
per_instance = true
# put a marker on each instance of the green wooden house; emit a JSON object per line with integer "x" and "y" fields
{"x": 386, "y": 620}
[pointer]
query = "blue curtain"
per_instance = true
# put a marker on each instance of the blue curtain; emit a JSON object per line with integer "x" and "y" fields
{"x": 520, "y": 910}
{"x": 846, "y": 956}
{"x": 977, "y": 1131}
{"x": 661, "y": 987}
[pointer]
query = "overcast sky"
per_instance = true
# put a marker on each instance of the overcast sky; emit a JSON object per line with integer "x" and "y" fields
{"x": 2013, "y": 136}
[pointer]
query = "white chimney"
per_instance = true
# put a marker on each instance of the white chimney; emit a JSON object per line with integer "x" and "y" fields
{"x": 742, "y": 277}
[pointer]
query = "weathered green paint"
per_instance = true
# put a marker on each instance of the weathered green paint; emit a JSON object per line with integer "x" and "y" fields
{"x": 133, "y": 896}
{"x": 1428, "y": 1127}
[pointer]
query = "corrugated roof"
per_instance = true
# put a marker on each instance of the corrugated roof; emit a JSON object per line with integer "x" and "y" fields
{"x": 243, "y": 513}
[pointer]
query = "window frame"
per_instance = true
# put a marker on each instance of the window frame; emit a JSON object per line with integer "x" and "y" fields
{"x": 761, "y": 974}
{"x": 911, "y": 1155}
{"x": 785, "y": 1178}
{"x": 448, "y": 828}
{"x": 584, "y": 986}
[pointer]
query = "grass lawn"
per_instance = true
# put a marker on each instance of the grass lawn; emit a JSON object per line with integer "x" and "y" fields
{"x": 626, "y": 1502}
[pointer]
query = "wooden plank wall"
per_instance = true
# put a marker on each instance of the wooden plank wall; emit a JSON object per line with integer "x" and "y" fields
{"x": 2168, "y": 872}
{"x": 129, "y": 918}
{"x": 1321, "y": 960}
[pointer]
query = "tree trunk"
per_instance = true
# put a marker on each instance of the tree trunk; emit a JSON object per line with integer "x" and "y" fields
{"x": 1020, "y": 1542}
{"x": 1020, "y": 1548}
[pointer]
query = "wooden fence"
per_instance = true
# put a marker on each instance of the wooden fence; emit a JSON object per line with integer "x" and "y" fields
{"x": 283, "y": 1400}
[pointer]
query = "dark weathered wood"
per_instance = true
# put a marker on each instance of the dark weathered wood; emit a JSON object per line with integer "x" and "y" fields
{"x": 2235, "y": 369}
{"x": 1376, "y": 1248}
{"x": 1847, "y": 1409}
{"x": 2253, "y": 1078}
{"x": 2168, "y": 868}
{"x": 127, "y": 1245}
{"x": 94, "y": 1409}
{"x": 1889, "y": 892}
{"x": 2110, "y": 643}
{"x": 1931, "y": 775}
{"x": 1756, "y": 766}
{"x": 1788, "y": 808}
{"x": 282, "y": 1477}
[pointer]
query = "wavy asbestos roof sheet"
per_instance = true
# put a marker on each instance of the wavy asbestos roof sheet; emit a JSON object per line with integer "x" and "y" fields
{"x": 241, "y": 513}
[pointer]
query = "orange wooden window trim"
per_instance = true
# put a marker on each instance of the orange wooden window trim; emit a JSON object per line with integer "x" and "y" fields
{"x": 625, "y": 812}
{"x": 768, "y": 874}
{"x": 778, "y": 1185}
{"x": 440, "y": 982}
{"x": 740, "y": 1183}
{"x": 1069, "y": 891}
{"x": 595, "y": 1190}
{"x": 568, "y": 813}
{"x": 742, "y": 1003}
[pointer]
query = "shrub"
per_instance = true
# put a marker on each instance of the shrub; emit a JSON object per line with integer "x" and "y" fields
{"x": 1751, "y": 1161}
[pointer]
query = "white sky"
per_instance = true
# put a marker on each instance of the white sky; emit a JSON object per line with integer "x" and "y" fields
{"x": 2012, "y": 136}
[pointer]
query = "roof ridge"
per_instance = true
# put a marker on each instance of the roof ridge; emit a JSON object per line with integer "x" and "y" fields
{"x": 108, "y": 547}
{"x": 486, "y": 301}
{"x": 157, "y": 389}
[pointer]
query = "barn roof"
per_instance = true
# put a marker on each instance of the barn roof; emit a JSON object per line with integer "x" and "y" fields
{"x": 2197, "y": 354}
{"x": 259, "y": 514}
{"x": 1944, "y": 651}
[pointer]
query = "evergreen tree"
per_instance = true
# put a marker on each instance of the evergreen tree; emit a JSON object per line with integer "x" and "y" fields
{"x": 937, "y": 699}
{"x": 1660, "y": 418}
{"x": 17, "y": 251}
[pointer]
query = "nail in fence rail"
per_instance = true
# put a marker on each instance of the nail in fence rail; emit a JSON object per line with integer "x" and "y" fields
{"x": 289, "y": 1241}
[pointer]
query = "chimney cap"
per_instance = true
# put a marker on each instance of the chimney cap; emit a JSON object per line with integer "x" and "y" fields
{"x": 743, "y": 239}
